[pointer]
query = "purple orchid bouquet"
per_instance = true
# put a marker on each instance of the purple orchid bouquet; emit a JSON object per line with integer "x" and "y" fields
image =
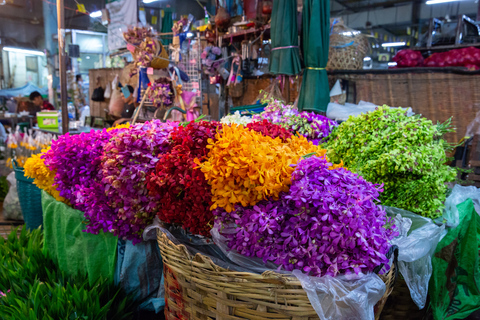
{"x": 314, "y": 127}
{"x": 211, "y": 59}
{"x": 161, "y": 94}
{"x": 127, "y": 159}
{"x": 328, "y": 223}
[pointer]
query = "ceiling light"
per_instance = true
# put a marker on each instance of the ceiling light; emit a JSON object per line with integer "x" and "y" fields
{"x": 393, "y": 44}
{"x": 392, "y": 64}
{"x": 440, "y": 1}
{"x": 149, "y": 1}
{"x": 24, "y": 51}
{"x": 96, "y": 14}
{"x": 189, "y": 35}
{"x": 367, "y": 59}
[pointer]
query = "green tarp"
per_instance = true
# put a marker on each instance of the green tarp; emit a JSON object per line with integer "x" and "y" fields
{"x": 75, "y": 251}
{"x": 285, "y": 56}
{"x": 315, "y": 93}
{"x": 454, "y": 287}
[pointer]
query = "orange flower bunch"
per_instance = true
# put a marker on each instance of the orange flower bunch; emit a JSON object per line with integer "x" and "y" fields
{"x": 245, "y": 167}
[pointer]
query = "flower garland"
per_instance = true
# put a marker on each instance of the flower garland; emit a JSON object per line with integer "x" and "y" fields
{"x": 245, "y": 167}
{"x": 211, "y": 59}
{"x": 328, "y": 223}
{"x": 44, "y": 178}
{"x": 186, "y": 195}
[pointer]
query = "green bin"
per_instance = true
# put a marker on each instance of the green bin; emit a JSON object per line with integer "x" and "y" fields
{"x": 30, "y": 198}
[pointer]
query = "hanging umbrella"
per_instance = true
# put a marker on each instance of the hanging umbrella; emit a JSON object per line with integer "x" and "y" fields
{"x": 314, "y": 94}
{"x": 285, "y": 57}
{"x": 167, "y": 24}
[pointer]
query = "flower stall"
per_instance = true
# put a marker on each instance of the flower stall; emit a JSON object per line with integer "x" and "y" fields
{"x": 254, "y": 215}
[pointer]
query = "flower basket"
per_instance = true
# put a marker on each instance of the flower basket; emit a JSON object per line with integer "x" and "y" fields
{"x": 197, "y": 288}
{"x": 401, "y": 306}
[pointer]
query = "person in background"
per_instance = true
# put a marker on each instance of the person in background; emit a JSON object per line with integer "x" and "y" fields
{"x": 128, "y": 107}
{"x": 38, "y": 102}
{"x": 78, "y": 95}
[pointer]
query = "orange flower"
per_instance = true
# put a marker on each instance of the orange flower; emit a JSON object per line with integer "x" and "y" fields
{"x": 245, "y": 167}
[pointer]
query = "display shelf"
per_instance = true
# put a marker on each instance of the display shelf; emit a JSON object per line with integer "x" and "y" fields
{"x": 445, "y": 47}
{"x": 245, "y": 32}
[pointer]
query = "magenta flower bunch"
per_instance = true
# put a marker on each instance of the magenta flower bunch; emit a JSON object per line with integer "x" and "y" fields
{"x": 329, "y": 223}
{"x": 76, "y": 160}
{"x": 129, "y": 157}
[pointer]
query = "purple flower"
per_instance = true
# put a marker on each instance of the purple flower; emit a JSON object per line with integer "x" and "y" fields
{"x": 328, "y": 223}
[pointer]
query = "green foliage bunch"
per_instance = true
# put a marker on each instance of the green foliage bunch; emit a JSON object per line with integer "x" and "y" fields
{"x": 406, "y": 154}
{"x": 34, "y": 288}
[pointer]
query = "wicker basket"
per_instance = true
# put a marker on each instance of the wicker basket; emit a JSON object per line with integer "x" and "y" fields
{"x": 347, "y": 48}
{"x": 196, "y": 288}
{"x": 30, "y": 198}
{"x": 436, "y": 93}
{"x": 401, "y": 306}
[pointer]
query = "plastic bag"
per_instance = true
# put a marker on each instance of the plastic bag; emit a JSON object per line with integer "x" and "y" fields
{"x": 342, "y": 297}
{"x": 115, "y": 107}
{"x": 11, "y": 204}
{"x": 417, "y": 241}
{"x": 108, "y": 92}
{"x": 455, "y": 283}
{"x": 458, "y": 195}
{"x": 473, "y": 127}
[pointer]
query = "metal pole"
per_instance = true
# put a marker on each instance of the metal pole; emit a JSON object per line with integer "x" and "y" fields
{"x": 62, "y": 64}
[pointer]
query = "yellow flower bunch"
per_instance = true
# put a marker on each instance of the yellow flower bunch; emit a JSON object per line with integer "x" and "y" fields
{"x": 44, "y": 178}
{"x": 120, "y": 126}
{"x": 245, "y": 167}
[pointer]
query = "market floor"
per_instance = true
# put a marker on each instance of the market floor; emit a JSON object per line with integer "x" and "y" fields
{"x": 6, "y": 226}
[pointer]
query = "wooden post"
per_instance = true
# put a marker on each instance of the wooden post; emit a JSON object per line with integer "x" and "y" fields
{"x": 62, "y": 64}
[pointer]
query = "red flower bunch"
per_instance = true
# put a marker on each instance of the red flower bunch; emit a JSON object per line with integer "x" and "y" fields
{"x": 269, "y": 129}
{"x": 186, "y": 195}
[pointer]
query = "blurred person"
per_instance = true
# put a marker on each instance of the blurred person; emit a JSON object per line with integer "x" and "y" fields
{"x": 38, "y": 102}
{"x": 128, "y": 107}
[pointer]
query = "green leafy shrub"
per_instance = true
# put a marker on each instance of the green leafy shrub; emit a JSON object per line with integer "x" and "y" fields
{"x": 406, "y": 154}
{"x": 34, "y": 288}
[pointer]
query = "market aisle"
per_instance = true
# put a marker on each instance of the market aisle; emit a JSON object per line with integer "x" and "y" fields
{"x": 7, "y": 225}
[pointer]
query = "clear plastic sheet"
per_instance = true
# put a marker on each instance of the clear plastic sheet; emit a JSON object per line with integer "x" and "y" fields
{"x": 343, "y": 297}
{"x": 458, "y": 195}
{"x": 417, "y": 241}
{"x": 337, "y": 298}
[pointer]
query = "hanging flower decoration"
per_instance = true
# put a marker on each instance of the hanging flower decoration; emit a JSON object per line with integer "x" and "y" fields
{"x": 211, "y": 59}
{"x": 245, "y": 166}
{"x": 147, "y": 50}
{"x": 186, "y": 195}
{"x": 44, "y": 178}
{"x": 128, "y": 159}
{"x": 136, "y": 35}
{"x": 328, "y": 223}
{"x": 161, "y": 94}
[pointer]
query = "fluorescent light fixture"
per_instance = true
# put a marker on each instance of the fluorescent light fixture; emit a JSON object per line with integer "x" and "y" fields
{"x": 393, "y": 44}
{"x": 392, "y": 64}
{"x": 367, "y": 59}
{"x": 189, "y": 35}
{"x": 24, "y": 51}
{"x": 96, "y": 14}
{"x": 149, "y": 1}
{"x": 350, "y": 33}
{"x": 440, "y": 1}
